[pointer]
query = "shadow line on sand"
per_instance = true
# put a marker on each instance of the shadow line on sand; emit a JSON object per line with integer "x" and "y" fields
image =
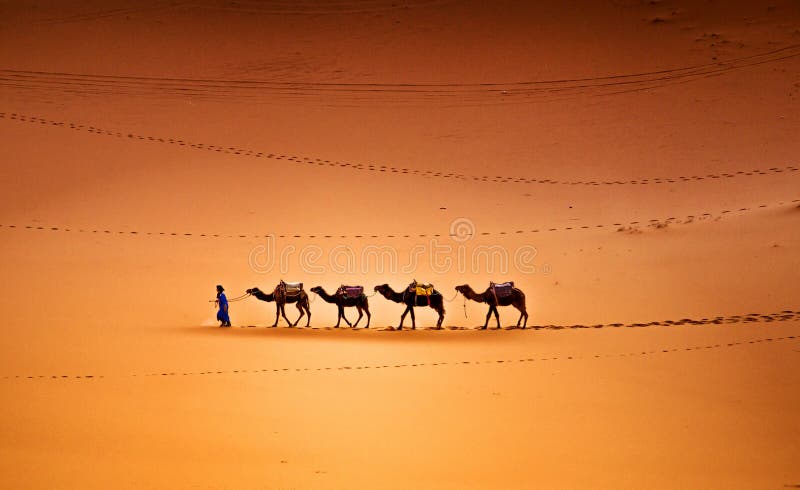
{"x": 349, "y": 333}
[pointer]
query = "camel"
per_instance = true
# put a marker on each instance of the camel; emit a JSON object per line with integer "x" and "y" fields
{"x": 515, "y": 299}
{"x": 435, "y": 301}
{"x": 343, "y": 301}
{"x": 280, "y": 298}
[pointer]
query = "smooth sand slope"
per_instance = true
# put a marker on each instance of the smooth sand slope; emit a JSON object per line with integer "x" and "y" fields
{"x": 635, "y": 163}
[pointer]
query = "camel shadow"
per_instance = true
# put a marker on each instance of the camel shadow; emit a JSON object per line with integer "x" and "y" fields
{"x": 452, "y": 333}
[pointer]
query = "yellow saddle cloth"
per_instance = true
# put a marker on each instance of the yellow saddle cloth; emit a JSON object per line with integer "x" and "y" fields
{"x": 423, "y": 289}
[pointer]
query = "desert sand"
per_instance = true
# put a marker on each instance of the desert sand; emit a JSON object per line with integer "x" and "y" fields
{"x": 636, "y": 163}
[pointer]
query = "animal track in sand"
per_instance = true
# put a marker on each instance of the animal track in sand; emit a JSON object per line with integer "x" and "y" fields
{"x": 507, "y": 179}
{"x": 632, "y": 228}
{"x": 449, "y": 94}
{"x": 784, "y": 315}
{"x": 313, "y": 7}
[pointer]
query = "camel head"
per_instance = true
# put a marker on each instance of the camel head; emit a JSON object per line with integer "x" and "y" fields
{"x": 316, "y": 289}
{"x": 253, "y": 291}
{"x": 463, "y": 288}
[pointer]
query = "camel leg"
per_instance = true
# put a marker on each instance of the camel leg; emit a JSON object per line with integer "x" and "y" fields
{"x": 413, "y": 319}
{"x": 360, "y": 314}
{"x": 302, "y": 306}
{"x": 341, "y": 315}
{"x": 488, "y": 315}
{"x": 369, "y": 316}
{"x": 496, "y": 315}
{"x": 523, "y": 313}
{"x": 283, "y": 314}
{"x": 277, "y": 315}
{"x": 403, "y": 317}
{"x": 300, "y": 309}
{"x": 440, "y": 310}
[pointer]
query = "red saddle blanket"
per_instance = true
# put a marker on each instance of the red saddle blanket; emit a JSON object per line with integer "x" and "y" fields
{"x": 351, "y": 291}
{"x": 502, "y": 289}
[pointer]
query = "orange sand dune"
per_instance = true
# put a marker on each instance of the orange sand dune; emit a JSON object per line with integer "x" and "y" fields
{"x": 630, "y": 165}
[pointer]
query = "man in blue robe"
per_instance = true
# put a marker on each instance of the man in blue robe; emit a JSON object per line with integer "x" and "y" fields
{"x": 222, "y": 302}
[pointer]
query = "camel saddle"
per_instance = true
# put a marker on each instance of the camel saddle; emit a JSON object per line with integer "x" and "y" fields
{"x": 420, "y": 289}
{"x": 502, "y": 289}
{"x": 291, "y": 288}
{"x": 351, "y": 291}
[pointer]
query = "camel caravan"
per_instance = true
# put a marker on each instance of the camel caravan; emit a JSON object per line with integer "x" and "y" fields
{"x": 414, "y": 295}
